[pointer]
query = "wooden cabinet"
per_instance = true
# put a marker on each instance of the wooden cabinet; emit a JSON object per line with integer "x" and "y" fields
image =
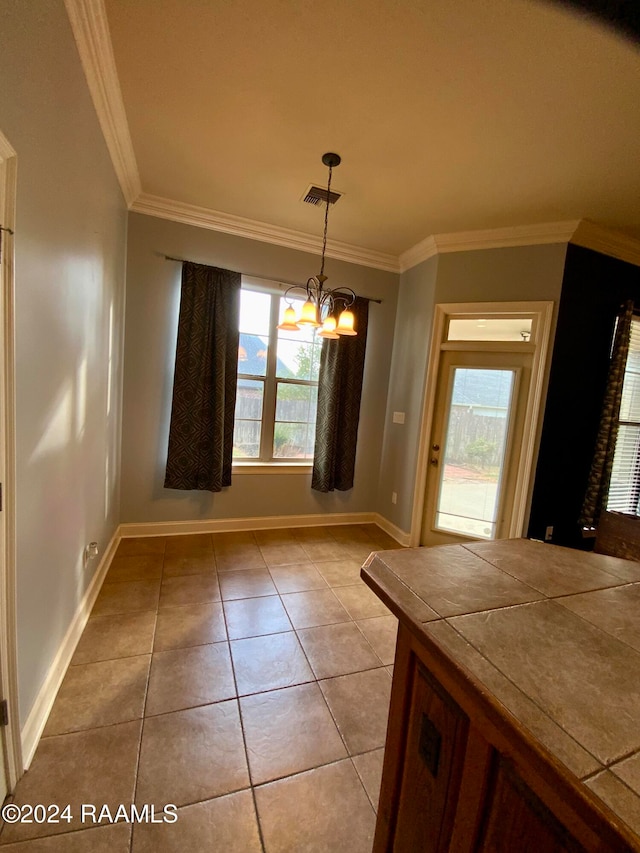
{"x": 461, "y": 775}
{"x": 516, "y": 819}
{"x": 432, "y": 767}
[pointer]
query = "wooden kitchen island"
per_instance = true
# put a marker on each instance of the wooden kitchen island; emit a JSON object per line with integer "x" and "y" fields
{"x": 515, "y": 708}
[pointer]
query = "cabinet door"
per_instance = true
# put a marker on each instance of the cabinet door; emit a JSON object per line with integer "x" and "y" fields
{"x": 515, "y": 819}
{"x": 435, "y": 746}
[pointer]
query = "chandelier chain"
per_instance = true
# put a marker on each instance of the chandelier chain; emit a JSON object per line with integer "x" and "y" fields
{"x": 326, "y": 221}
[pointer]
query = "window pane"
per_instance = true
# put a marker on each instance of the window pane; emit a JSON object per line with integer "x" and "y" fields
{"x": 248, "y": 424}
{"x": 255, "y": 311}
{"x": 488, "y": 329}
{"x": 296, "y": 403}
{"x": 298, "y": 359}
{"x": 295, "y": 426}
{"x": 293, "y": 441}
{"x": 475, "y": 444}
{"x": 252, "y": 355}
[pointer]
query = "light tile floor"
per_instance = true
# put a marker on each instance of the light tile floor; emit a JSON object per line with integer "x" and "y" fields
{"x": 243, "y": 677}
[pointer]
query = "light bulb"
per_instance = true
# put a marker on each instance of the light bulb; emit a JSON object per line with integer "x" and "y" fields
{"x": 309, "y": 315}
{"x": 345, "y": 323}
{"x": 328, "y": 329}
{"x": 289, "y": 321}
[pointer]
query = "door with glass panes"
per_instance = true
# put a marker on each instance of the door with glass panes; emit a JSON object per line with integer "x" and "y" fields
{"x": 478, "y": 423}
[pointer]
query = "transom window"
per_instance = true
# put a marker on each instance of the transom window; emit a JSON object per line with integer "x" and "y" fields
{"x": 277, "y": 394}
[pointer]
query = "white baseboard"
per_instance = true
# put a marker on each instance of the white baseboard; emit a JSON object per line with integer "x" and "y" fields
{"x": 401, "y": 536}
{"x": 273, "y": 522}
{"x": 230, "y": 525}
{"x": 39, "y": 713}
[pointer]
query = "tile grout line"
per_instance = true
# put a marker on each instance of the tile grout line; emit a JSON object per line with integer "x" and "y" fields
{"x": 146, "y": 696}
{"x": 311, "y": 769}
{"x": 366, "y": 793}
{"x": 244, "y": 736}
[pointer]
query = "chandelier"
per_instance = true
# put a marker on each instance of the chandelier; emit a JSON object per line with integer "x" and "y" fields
{"x": 322, "y": 304}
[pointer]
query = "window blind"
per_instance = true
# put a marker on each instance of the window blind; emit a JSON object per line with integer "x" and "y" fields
{"x": 624, "y": 487}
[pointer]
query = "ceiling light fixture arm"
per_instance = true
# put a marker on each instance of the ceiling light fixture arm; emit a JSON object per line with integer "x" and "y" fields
{"x": 328, "y": 301}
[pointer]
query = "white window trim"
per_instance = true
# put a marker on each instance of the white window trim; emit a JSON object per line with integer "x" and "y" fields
{"x": 272, "y": 468}
{"x": 246, "y": 465}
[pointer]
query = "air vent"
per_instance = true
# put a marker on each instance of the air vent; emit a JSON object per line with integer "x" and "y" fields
{"x": 318, "y": 195}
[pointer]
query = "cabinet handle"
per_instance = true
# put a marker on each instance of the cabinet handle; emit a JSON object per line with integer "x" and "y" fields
{"x": 429, "y": 747}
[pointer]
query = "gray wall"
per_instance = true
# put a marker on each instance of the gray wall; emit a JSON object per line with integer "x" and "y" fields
{"x": 525, "y": 273}
{"x": 518, "y": 274}
{"x": 408, "y": 370}
{"x": 153, "y": 294}
{"x": 70, "y": 258}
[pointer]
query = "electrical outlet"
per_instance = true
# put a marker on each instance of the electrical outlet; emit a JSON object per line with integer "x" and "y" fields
{"x": 548, "y": 533}
{"x": 394, "y": 497}
{"x": 90, "y": 552}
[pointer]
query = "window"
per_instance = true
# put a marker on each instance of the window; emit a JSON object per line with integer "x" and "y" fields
{"x": 277, "y": 395}
{"x": 490, "y": 329}
{"x": 624, "y": 487}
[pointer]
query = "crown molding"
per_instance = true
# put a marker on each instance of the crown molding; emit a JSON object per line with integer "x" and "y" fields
{"x": 91, "y": 32}
{"x": 501, "y": 238}
{"x": 580, "y": 232}
{"x": 495, "y": 238}
{"x": 616, "y": 244}
{"x": 90, "y": 29}
{"x": 422, "y": 251}
{"x": 214, "y": 220}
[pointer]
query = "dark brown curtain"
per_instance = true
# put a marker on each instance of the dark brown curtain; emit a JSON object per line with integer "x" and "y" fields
{"x": 339, "y": 393}
{"x": 204, "y": 384}
{"x": 598, "y": 486}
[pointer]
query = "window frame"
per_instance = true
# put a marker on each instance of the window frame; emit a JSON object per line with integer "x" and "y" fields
{"x": 266, "y": 462}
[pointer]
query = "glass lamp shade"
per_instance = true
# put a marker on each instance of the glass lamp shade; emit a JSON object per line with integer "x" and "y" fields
{"x": 289, "y": 321}
{"x": 345, "y": 324}
{"x": 328, "y": 329}
{"x": 309, "y": 315}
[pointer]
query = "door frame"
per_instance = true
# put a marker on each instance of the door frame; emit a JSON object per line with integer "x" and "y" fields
{"x": 8, "y": 621}
{"x": 542, "y": 315}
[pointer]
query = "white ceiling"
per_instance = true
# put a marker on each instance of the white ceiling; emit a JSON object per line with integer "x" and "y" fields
{"x": 450, "y": 115}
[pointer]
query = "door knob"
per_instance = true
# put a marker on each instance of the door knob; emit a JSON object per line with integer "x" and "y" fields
{"x": 435, "y": 447}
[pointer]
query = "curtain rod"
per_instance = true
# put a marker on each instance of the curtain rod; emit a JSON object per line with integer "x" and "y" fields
{"x": 265, "y": 278}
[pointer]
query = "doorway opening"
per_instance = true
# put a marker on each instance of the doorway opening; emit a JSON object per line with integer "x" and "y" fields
{"x": 480, "y": 421}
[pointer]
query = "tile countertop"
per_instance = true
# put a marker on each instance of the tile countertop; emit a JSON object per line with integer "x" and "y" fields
{"x": 553, "y": 633}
